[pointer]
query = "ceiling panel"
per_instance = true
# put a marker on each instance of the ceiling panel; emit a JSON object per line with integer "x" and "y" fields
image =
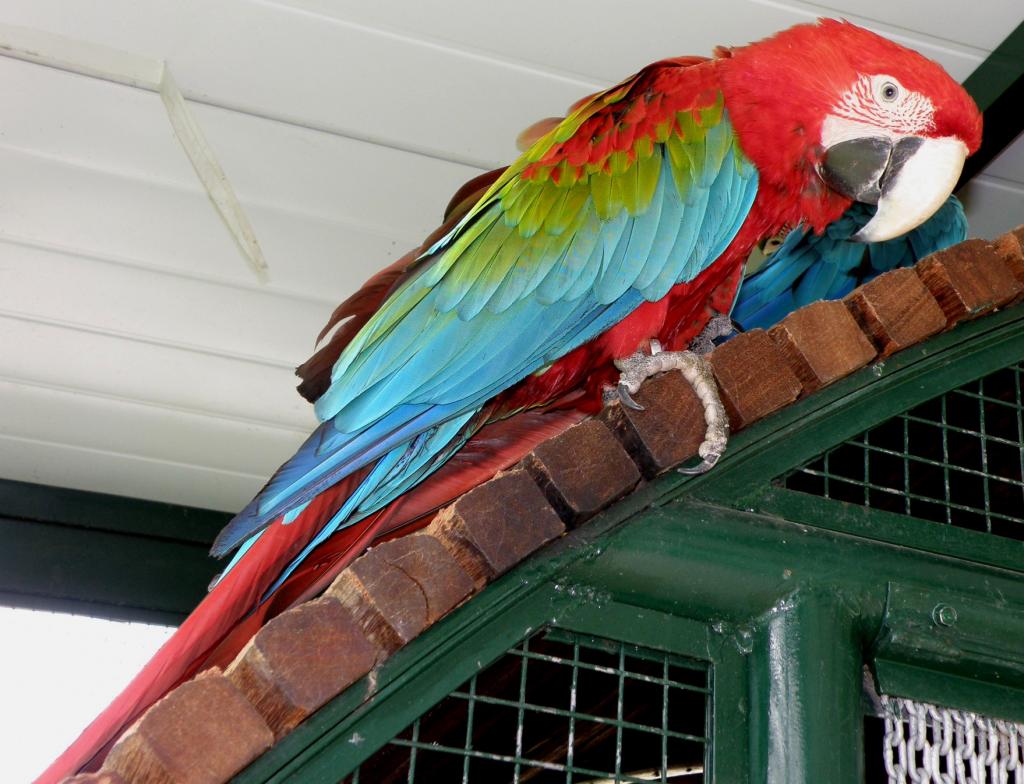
{"x": 80, "y": 291}
{"x": 605, "y": 40}
{"x": 1009, "y": 165}
{"x": 91, "y": 469}
{"x": 75, "y": 358}
{"x": 95, "y": 124}
{"x": 993, "y": 206}
{"x": 984, "y": 28}
{"x": 94, "y": 166}
{"x": 378, "y": 189}
{"x": 52, "y": 202}
{"x": 281, "y": 62}
{"x": 149, "y": 432}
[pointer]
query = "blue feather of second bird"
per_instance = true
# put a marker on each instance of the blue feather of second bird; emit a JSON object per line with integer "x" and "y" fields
{"x": 808, "y": 267}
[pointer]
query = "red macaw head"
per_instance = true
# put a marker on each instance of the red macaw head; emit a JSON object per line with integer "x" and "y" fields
{"x": 834, "y": 104}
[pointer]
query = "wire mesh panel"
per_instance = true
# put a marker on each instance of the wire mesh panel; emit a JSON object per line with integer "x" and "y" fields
{"x": 560, "y": 707}
{"x": 926, "y": 743}
{"x": 956, "y": 459}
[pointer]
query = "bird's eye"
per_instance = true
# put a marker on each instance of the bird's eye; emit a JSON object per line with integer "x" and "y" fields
{"x": 889, "y": 92}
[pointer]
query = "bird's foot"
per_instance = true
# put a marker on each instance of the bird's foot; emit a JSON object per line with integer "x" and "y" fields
{"x": 720, "y": 326}
{"x": 633, "y": 371}
{"x": 636, "y": 369}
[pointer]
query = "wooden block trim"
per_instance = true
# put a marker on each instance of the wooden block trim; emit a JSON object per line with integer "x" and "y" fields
{"x": 100, "y": 777}
{"x": 300, "y": 660}
{"x": 399, "y": 588}
{"x": 582, "y": 470}
{"x": 754, "y": 378}
{"x": 350, "y": 592}
{"x": 1010, "y": 248}
{"x": 968, "y": 280}
{"x": 669, "y": 429}
{"x": 203, "y": 732}
{"x": 822, "y": 343}
{"x": 895, "y": 310}
{"x": 496, "y": 525}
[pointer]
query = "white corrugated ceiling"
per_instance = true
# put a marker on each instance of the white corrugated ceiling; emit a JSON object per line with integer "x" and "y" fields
{"x": 138, "y": 353}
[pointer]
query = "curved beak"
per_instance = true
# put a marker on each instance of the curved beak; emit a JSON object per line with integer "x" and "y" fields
{"x": 909, "y": 179}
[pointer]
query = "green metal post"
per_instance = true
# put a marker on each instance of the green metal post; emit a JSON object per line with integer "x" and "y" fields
{"x": 806, "y": 723}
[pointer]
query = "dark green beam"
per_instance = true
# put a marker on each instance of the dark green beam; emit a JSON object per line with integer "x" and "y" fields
{"x": 997, "y": 86}
{"x": 103, "y": 555}
{"x": 999, "y": 70}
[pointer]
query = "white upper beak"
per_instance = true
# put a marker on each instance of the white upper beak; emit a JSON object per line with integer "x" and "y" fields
{"x": 920, "y": 187}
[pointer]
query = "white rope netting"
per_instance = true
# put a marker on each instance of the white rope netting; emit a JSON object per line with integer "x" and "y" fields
{"x": 926, "y": 743}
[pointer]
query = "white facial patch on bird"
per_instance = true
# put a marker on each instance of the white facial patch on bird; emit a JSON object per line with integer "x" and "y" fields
{"x": 878, "y": 105}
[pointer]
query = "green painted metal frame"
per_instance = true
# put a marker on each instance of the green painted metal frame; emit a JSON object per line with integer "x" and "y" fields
{"x": 103, "y": 555}
{"x": 997, "y": 86}
{"x": 787, "y": 596}
{"x": 347, "y": 731}
{"x": 772, "y": 605}
{"x": 581, "y": 707}
{"x": 800, "y": 433}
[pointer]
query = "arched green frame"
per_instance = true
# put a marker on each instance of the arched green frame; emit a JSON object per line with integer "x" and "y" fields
{"x": 785, "y": 595}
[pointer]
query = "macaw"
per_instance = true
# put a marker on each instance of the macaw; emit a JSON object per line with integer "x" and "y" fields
{"x": 807, "y": 267}
{"x": 588, "y": 264}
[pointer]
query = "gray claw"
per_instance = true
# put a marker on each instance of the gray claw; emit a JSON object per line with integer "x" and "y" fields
{"x": 626, "y": 398}
{"x": 703, "y": 467}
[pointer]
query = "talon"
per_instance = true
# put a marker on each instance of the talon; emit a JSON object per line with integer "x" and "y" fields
{"x": 703, "y": 467}
{"x": 655, "y": 347}
{"x": 626, "y": 398}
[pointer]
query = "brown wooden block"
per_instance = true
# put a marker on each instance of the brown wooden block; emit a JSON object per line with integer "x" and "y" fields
{"x": 895, "y": 310}
{"x": 399, "y": 588}
{"x": 100, "y": 777}
{"x": 753, "y": 377}
{"x": 582, "y": 470}
{"x": 392, "y": 587}
{"x": 203, "y": 732}
{"x": 668, "y": 430}
{"x": 300, "y": 660}
{"x": 1010, "y": 248}
{"x": 822, "y": 343}
{"x": 968, "y": 280}
{"x": 496, "y": 525}
{"x": 1006, "y": 288}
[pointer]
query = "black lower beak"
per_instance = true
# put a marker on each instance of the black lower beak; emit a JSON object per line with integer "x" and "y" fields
{"x": 864, "y": 169}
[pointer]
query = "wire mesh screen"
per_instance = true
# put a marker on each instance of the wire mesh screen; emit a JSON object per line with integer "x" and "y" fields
{"x": 925, "y": 743}
{"x": 559, "y": 707}
{"x": 956, "y": 459}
